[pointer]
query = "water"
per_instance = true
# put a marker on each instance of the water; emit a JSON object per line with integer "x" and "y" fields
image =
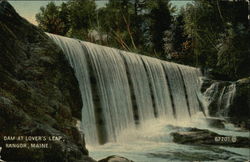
{"x": 211, "y": 92}
{"x": 155, "y": 144}
{"x": 141, "y": 87}
{"x": 192, "y": 85}
{"x": 160, "y": 89}
{"x": 130, "y": 89}
{"x": 228, "y": 97}
{"x": 113, "y": 89}
{"x": 176, "y": 86}
{"x": 132, "y": 103}
{"x": 223, "y": 95}
{"x": 82, "y": 74}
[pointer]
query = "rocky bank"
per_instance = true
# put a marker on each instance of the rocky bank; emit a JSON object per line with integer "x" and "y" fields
{"x": 229, "y": 99}
{"x": 39, "y": 94}
{"x": 195, "y": 136}
{"x": 115, "y": 158}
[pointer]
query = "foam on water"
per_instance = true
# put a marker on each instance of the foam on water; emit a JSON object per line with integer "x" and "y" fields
{"x": 128, "y": 90}
{"x": 131, "y": 104}
{"x": 153, "y": 143}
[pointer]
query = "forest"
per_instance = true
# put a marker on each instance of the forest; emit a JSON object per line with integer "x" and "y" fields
{"x": 213, "y": 35}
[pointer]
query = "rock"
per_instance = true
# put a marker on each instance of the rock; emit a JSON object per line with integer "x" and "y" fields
{"x": 240, "y": 108}
{"x": 202, "y": 155}
{"x": 39, "y": 94}
{"x": 195, "y": 136}
{"x": 241, "y": 123}
{"x": 115, "y": 158}
{"x": 216, "y": 122}
{"x": 218, "y": 97}
{"x": 206, "y": 83}
{"x": 244, "y": 81}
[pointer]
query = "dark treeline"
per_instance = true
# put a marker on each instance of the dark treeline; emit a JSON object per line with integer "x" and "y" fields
{"x": 211, "y": 34}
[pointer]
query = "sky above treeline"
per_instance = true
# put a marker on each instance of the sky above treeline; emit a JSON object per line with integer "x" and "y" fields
{"x": 28, "y": 9}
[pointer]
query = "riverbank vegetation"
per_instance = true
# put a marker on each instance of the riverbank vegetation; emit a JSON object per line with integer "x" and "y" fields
{"x": 213, "y": 35}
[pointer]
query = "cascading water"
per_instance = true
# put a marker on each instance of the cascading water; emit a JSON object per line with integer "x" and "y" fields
{"x": 160, "y": 89}
{"x": 113, "y": 89}
{"x": 229, "y": 97}
{"x": 75, "y": 54}
{"x": 226, "y": 99}
{"x": 177, "y": 89}
{"x": 131, "y": 104}
{"x": 140, "y": 84}
{"x": 221, "y": 94}
{"x": 192, "y": 87}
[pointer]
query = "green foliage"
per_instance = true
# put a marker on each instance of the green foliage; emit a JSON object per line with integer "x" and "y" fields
{"x": 177, "y": 45}
{"x": 115, "y": 20}
{"x": 199, "y": 35}
{"x": 136, "y": 25}
{"x": 234, "y": 53}
{"x": 74, "y": 18}
{"x": 217, "y": 44}
{"x": 54, "y": 19}
{"x": 159, "y": 21}
{"x": 82, "y": 17}
{"x": 132, "y": 25}
{"x": 203, "y": 24}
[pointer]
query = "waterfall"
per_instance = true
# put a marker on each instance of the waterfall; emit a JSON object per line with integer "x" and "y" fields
{"x": 191, "y": 85}
{"x": 113, "y": 89}
{"x": 75, "y": 54}
{"x": 177, "y": 89}
{"x": 160, "y": 89}
{"x": 122, "y": 90}
{"x": 229, "y": 97}
{"x": 220, "y": 95}
{"x": 140, "y": 84}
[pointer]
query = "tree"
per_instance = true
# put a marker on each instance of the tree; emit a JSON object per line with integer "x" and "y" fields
{"x": 177, "y": 45}
{"x": 203, "y": 24}
{"x": 116, "y": 22}
{"x": 234, "y": 53}
{"x": 53, "y": 19}
{"x": 160, "y": 19}
{"x": 219, "y": 36}
{"x": 74, "y": 18}
{"x": 136, "y": 25}
{"x": 82, "y": 15}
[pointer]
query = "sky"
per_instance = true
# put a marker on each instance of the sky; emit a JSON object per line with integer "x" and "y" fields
{"x": 28, "y": 9}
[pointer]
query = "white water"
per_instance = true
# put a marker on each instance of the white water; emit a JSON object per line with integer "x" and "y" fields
{"x": 166, "y": 98}
{"x": 113, "y": 89}
{"x": 211, "y": 92}
{"x": 225, "y": 96}
{"x": 229, "y": 96}
{"x": 82, "y": 74}
{"x": 154, "y": 143}
{"x": 177, "y": 90}
{"x": 140, "y": 84}
{"x": 192, "y": 87}
{"x": 160, "y": 87}
{"x": 148, "y": 79}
